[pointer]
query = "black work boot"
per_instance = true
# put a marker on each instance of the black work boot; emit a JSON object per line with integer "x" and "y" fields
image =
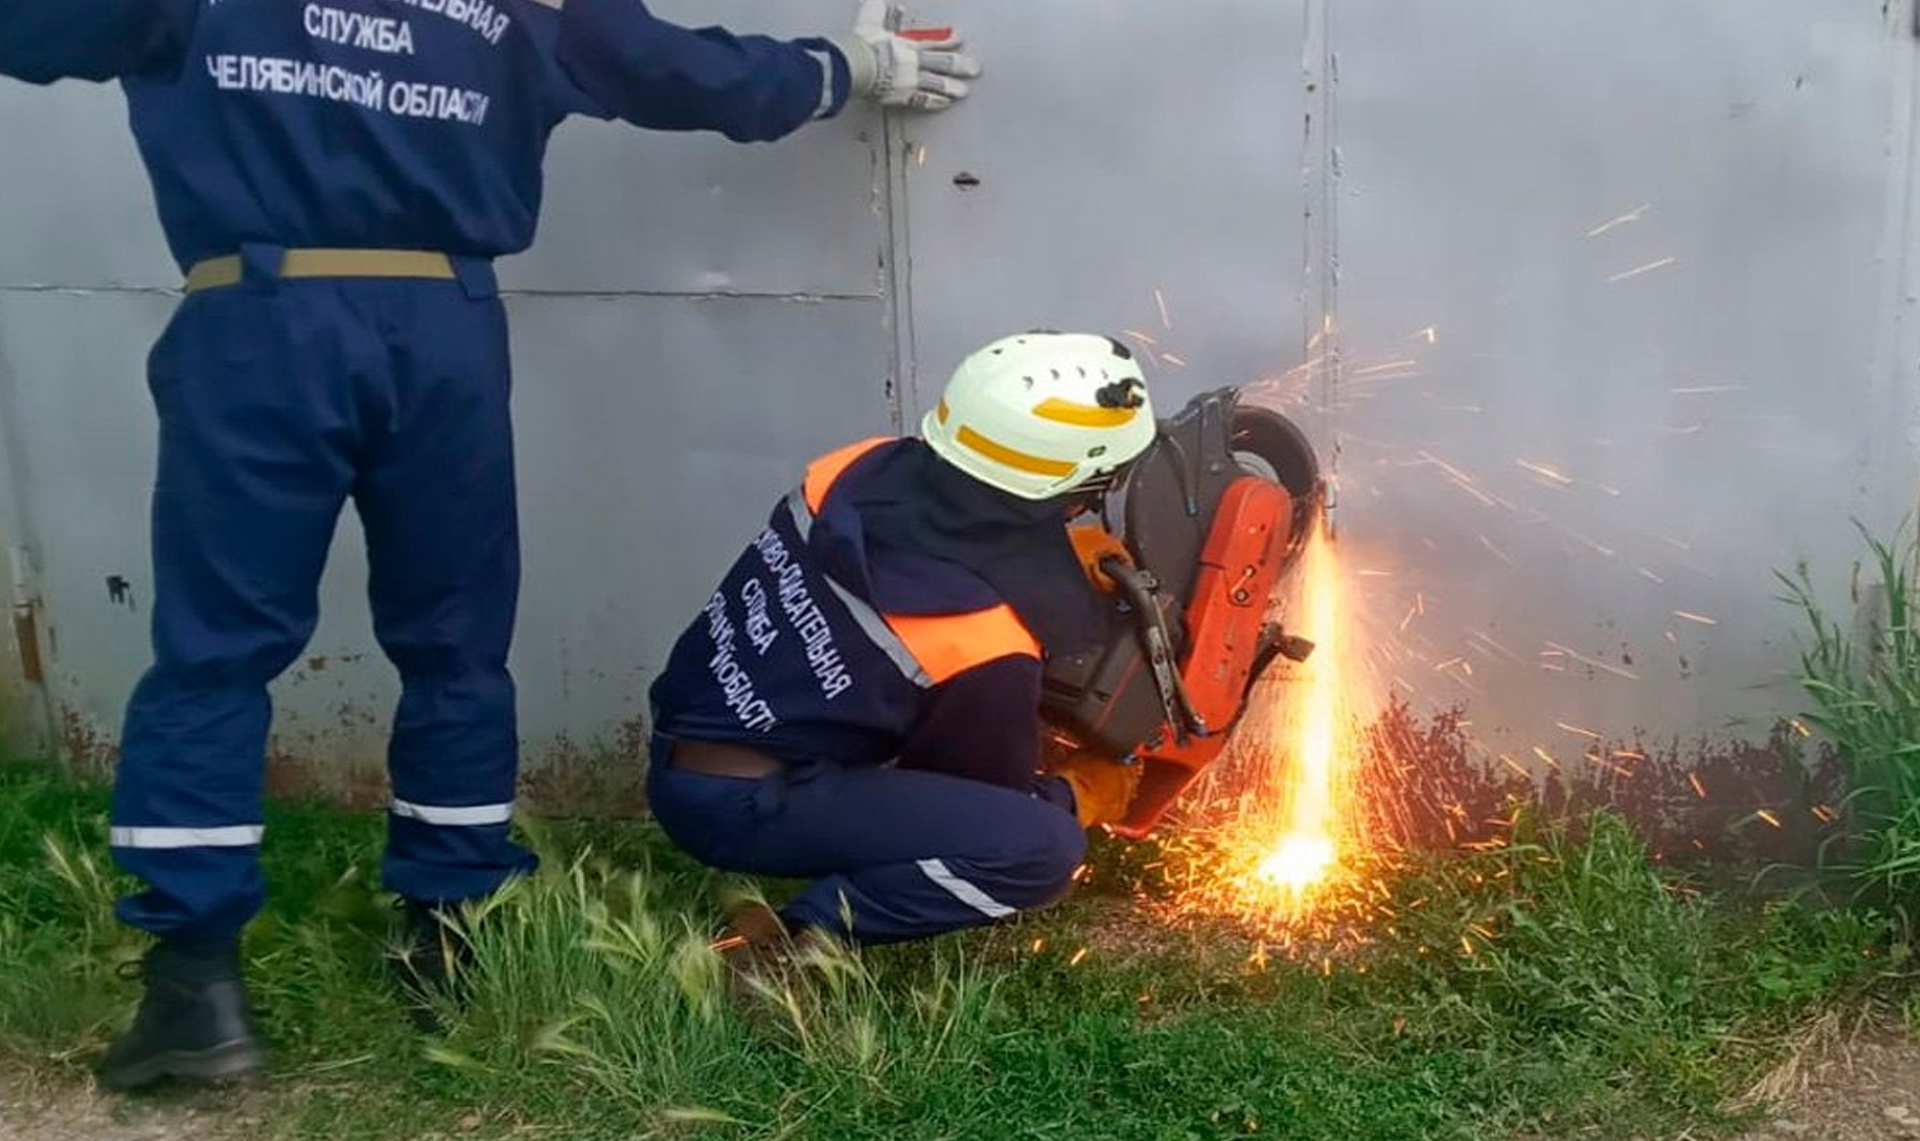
{"x": 430, "y": 960}
{"x": 193, "y": 1024}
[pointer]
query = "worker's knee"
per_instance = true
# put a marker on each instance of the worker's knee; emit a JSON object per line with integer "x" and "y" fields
{"x": 1055, "y": 850}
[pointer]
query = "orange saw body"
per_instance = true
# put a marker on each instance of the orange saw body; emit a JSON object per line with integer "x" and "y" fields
{"x": 1225, "y": 624}
{"x": 1213, "y": 516}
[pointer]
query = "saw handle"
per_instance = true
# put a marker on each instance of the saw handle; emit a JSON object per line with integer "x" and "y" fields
{"x": 1141, "y": 588}
{"x": 1093, "y": 545}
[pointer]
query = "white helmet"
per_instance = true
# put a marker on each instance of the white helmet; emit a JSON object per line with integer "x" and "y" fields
{"x": 1040, "y": 414}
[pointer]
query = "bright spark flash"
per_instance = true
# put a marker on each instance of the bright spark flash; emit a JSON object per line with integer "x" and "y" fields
{"x": 1299, "y": 862}
{"x": 1288, "y": 857}
{"x": 1305, "y": 850}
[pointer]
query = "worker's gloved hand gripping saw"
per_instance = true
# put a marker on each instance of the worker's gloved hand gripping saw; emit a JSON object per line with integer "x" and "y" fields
{"x": 1103, "y": 786}
{"x": 921, "y": 69}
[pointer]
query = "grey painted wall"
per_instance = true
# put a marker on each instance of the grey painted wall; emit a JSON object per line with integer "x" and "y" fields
{"x": 1659, "y": 246}
{"x": 1573, "y": 457}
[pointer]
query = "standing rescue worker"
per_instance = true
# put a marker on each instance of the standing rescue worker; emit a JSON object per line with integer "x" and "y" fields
{"x": 335, "y": 179}
{"x": 859, "y": 701}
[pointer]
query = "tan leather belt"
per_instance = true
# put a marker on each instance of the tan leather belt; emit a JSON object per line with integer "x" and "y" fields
{"x": 216, "y": 273}
{"x": 716, "y": 760}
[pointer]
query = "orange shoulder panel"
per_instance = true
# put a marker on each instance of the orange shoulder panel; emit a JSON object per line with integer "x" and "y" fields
{"x": 824, "y": 472}
{"x": 948, "y": 645}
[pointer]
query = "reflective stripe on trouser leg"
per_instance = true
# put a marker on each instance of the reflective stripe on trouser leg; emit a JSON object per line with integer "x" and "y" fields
{"x": 964, "y": 890}
{"x": 913, "y": 901}
{"x": 437, "y": 500}
{"x": 257, "y": 431}
{"x": 166, "y": 839}
{"x": 450, "y": 817}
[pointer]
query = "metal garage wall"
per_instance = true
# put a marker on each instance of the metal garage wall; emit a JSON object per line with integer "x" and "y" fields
{"x": 1620, "y": 299}
{"x": 699, "y": 319}
{"x": 23, "y": 715}
{"x": 1573, "y": 461}
{"x": 1122, "y": 167}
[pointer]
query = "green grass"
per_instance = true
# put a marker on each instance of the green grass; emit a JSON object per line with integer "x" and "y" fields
{"x": 1865, "y": 689}
{"x": 1592, "y": 994}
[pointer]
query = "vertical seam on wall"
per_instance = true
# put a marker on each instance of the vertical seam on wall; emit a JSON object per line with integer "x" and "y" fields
{"x": 20, "y": 592}
{"x": 1905, "y": 183}
{"x": 1895, "y": 386}
{"x": 1320, "y": 267}
{"x": 903, "y": 363}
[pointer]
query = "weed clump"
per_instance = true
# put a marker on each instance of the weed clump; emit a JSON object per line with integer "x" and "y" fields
{"x": 587, "y": 968}
{"x": 1865, "y": 688}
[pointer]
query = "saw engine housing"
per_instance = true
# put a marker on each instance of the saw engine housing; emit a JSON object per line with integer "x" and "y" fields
{"x": 1211, "y": 517}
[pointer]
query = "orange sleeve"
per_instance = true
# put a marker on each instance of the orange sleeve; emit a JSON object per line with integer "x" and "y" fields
{"x": 947, "y": 645}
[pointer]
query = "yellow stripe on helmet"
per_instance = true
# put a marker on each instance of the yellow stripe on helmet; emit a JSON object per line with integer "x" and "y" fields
{"x": 1019, "y": 461}
{"x": 1083, "y": 415}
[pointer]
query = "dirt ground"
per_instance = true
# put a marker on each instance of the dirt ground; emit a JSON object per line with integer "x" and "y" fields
{"x": 1847, "y": 1083}
{"x": 36, "y": 1107}
{"x": 1859, "y": 1083}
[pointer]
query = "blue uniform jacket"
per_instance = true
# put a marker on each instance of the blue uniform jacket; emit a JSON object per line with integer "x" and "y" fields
{"x": 396, "y": 124}
{"x": 781, "y": 661}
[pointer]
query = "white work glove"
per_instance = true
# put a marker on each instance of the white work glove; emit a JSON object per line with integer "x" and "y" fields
{"x": 921, "y": 70}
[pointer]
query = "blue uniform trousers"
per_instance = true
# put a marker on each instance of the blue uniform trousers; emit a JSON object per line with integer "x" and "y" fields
{"x": 278, "y": 401}
{"x": 897, "y": 854}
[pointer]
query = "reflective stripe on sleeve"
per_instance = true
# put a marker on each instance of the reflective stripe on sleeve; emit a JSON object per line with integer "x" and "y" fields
{"x": 875, "y": 627}
{"x": 154, "y": 839}
{"x": 802, "y": 514}
{"x": 871, "y": 622}
{"x": 472, "y": 817}
{"x": 965, "y": 892}
{"x": 826, "y": 82}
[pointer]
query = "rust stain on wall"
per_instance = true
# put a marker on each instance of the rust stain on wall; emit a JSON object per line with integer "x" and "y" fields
{"x": 597, "y": 779}
{"x": 86, "y": 746}
{"x": 346, "y": 767}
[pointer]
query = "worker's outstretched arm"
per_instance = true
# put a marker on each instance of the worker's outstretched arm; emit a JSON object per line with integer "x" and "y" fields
{"x": 45, "y": 40}
{"x": 656, "y": 74}
{"x": 749, "y": 88}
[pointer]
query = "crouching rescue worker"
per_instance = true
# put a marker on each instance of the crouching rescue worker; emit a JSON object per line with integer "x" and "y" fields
{"x": 335, "y": 180}
{"x": 859, "y": 701}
